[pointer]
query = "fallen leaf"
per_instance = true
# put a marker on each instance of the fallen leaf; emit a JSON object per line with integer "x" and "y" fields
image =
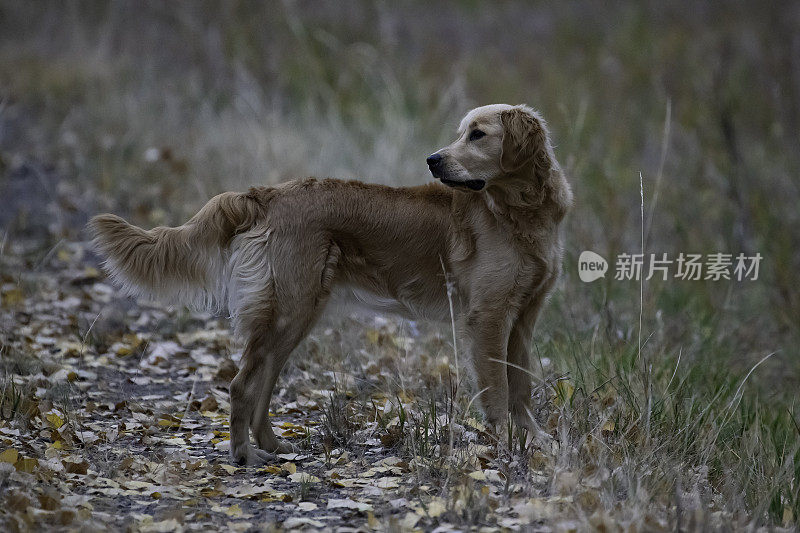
{"x": 349, "y": 504}
{"x": 230, "y": 469}
{"x": 435, "y": 508}
{"x": 76, "y": 468}
{"x": 303, "y": 477}
{"x": 209, "y": 403}
{"x": 234, "y": 510}
{"x": 26, "y": 464}
{"x": 9, "y": 455}
{"x": 54, "y": 419}
{"x": 297, "y": 523}
{"x": 564, "y": 390}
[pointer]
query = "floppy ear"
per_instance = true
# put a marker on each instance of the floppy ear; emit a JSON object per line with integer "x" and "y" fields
{"x": 524, "y": 140}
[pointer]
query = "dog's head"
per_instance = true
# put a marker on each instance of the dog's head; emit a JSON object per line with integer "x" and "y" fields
{"x": 493, "y": 141}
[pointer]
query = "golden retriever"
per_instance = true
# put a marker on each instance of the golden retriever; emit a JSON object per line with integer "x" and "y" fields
{"x": 273, "y": 257}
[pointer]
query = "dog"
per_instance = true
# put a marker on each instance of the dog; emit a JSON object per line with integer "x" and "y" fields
{"x": 274, "y": 257}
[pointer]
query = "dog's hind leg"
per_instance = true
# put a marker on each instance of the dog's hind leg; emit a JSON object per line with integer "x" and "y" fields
{"x": 287, "y": 339}
{"x": 277, "y": 300}
{"x": 296, "y": 312}
{"x": 244, "y": 391}
{"x": 251, "y": 389}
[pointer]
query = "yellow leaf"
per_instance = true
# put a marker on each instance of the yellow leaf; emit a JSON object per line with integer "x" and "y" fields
{"x": 123, "y": 350}
{"x": 228, "y": 468}
{"x": 373, "y": 335}
{"x": 410, "y": 520}
{"x": 155, "y": 495}
{"x": 63, "y": 255}
{"x": 436, "y": 508}
{"x": 472, "y": 422}
{"x": 26, "y": 464}
{"x": 9, "y": 456}
{"x": 609, "y": 427}
{"x": 302, "y": 477}
{"x": 234, "y": 510}
{"x": 788, "y": 515}
{"x": 289, "y": 467}
{"x": 54, "y": 420}
{"x": 71, "y": 348}
{"x": 564, "y": 391}
{"x": 208, "y": 492}
{"x": 164, "y": 422}
{"x": 12, "y": 297}
{"x": 372, "y": 521}
{"x": 133, "y": 339}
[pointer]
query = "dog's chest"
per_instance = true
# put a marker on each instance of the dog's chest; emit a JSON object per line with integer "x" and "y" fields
{"x": 496, "y": 269}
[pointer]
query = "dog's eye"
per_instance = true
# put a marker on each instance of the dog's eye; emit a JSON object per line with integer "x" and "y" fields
{"x": 474, "y": 135}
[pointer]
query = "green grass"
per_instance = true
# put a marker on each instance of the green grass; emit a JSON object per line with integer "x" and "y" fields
{"x": 238, "y": 94}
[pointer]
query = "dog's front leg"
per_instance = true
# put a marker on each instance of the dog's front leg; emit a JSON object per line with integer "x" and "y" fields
{"x": 519, "y": 370}
{"x": 487, "y": 331}
{"x": 519, "y": 377}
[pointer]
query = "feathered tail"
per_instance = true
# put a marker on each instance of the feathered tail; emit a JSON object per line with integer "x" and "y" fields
{"x": 183, "y": 265}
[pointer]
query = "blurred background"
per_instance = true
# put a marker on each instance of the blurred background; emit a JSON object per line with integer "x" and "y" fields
{"x": 149, "y": 108}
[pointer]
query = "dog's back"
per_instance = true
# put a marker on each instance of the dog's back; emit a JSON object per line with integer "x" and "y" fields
{"x": 388, "y": 239}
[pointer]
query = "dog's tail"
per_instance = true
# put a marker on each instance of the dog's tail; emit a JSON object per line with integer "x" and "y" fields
{"x": 183, "y": 265}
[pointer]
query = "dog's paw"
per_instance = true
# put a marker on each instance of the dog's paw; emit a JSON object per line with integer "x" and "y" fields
{"x": 278, "y": 446}
{"x": 266, "y": 440}
{"x": 246, "y": 455}
{"x": 523, "y": 420}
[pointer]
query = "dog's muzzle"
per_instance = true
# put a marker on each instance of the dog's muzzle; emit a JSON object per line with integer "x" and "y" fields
{"x": 475, "y": 185}
{"x": 437, "y": 170}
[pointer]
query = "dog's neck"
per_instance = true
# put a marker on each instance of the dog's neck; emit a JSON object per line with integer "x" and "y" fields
{"x": 524, "y": 204}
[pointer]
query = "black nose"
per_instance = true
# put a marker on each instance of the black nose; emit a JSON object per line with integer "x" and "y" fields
{"x": 434, "y": 160}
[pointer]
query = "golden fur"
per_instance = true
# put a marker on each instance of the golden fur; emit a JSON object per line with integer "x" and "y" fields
{"x": 274, "y": 256}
